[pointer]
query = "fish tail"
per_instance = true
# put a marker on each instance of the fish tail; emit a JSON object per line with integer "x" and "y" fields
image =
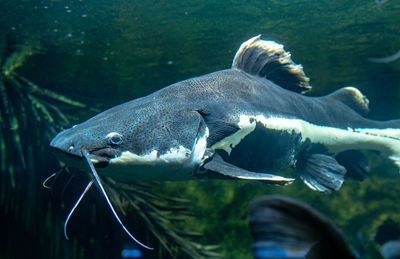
{"x": 396, "y": 160}
{"x": 394, "y": 127}
{"x": 392, "y": 132}
{"x": 386, "y": 135}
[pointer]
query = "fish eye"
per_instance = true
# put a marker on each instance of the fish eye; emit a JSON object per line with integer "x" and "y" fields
{"x": 114, "y": 138}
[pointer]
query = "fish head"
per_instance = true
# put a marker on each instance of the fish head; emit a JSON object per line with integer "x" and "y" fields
{"x": 137, "y": 141}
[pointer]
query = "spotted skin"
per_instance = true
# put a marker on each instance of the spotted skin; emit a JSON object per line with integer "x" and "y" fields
{"x": 160, "y": 132}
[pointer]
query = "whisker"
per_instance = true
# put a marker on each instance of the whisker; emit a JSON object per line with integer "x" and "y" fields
{"x": 97, "y": 178}
{"x": 75, "y": 206}
{"x": 47, "y": 179}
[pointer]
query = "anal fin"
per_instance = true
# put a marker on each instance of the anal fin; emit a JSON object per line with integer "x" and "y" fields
{"x": 321, "y": 172}
{"x": 218, "y": 165}
{"x": 355, "y": 163}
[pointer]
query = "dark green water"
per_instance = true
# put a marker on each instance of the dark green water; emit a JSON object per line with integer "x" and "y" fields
{"x": 106, "y": 52}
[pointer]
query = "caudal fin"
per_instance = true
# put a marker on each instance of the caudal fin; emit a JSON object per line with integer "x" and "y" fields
{"x": 388, "y": 137}
{"x": 396, "y": 160}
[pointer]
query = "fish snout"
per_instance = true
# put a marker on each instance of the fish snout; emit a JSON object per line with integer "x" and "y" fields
{"x": 62, "y": 143}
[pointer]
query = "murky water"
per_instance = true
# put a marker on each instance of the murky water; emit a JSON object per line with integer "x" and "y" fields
{"x": 103, "y": 53}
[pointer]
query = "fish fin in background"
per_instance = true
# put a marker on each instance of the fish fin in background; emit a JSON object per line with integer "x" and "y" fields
{"x": 356, "y": 164}
{"x": 351, "y": 97}
{"x": 268, "y": 59}
{"x": 218, "y": 165}
{"x": 320, "y": 172}
{"x": 388, "y": 235}
{"x": 391, "y": 249}
{"x": 283, "y": 227}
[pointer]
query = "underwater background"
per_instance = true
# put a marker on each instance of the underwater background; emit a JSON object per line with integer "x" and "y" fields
{"x": 64, "y": 61}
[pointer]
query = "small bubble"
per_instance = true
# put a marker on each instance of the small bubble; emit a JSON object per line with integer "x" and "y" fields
{"x": 83, "y": 33}
{"x": 68, "y": 11}
{"x": 66, "y": 7}
{"x": 69, "y": 35}
{"x": 82, "y": 42}
{"x": 13, "y": 28}
{"x": 55, "y": 30}
{"x": 186, "y": 13}
{"x": 45, "y": 7}
{"x": 105, "y": 58}
{"x": 84, "y": 15}
{"x": 170, "y": 62}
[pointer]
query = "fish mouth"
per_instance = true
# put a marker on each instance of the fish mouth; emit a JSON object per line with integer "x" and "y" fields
{"x": 69, "y": 149}
{"x": 100, "y": 157}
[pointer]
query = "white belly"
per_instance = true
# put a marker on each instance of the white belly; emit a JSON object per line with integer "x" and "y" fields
{"x": 178, "y": 163}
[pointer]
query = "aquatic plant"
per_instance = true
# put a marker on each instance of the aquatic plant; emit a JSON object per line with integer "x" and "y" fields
{"x": 29, "y": 117}
{"x": 24, "y": 108}
{"x": 160, "y": 215}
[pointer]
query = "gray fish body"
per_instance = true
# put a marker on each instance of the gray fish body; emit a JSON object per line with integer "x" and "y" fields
{"x": 226, "y": 95}
{"x": 235, "y": 123}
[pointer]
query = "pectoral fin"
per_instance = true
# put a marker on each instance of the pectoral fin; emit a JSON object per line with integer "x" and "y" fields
{"x": 219, "y": 128}
{"x": 321, "y": 172}
{"x": 218, "y": 165}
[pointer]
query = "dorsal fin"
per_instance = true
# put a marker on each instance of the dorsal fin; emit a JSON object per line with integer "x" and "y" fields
{"x": 268, "y": 59}
{"x": 353, "y": 98}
